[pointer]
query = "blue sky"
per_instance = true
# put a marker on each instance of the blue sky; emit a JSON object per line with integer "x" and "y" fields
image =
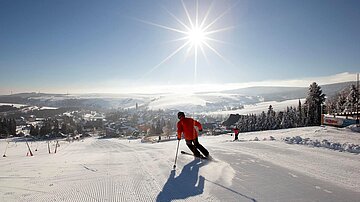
{"x": 105, "y": 46}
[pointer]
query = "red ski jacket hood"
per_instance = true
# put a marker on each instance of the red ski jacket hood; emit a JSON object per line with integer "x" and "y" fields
{"x": 187, "y": 126}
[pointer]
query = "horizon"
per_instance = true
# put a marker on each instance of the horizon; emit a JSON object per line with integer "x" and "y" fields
{"x": 212, "y": 88}
{"x": 124, "y": 47}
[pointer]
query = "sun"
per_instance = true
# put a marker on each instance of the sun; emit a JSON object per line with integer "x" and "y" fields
{"x": 196, "y": 36}
{"x": 197, "y": 33}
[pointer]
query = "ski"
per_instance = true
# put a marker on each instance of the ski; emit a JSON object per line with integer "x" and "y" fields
{"x": 201, "y": 156}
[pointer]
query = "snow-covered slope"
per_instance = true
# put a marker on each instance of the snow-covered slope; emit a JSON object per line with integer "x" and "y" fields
{"x": 122, "y": 170}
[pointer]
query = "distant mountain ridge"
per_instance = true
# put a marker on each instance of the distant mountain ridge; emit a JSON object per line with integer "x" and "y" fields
{"x": 196, "y": 102}
{"x": 270, "y": 93}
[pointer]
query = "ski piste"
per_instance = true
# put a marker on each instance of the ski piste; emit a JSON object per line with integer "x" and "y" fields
{"x": 201, "y": 156}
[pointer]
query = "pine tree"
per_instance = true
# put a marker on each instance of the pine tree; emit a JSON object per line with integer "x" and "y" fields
{"x": 3, "y": 131}
{"x": 32, "y": 129}
{"x": 352, "y": 99}
{"x": 253, "y": 119}
{"x": 300, "y": 121}
{"x": 64, "y": 129}
{"x": 1, "y": 128}
{"x": 314, "y": 102}
{"x": 341, "y": 102}
{"x": 270, "y": 122}
{"x": 291, "y": 117}
{"x": 56, "y": 128}
{"x": 13, "y": 127}
{"x": 279, "y": 119}
{"x": 262, "y": 121}
{"x": 331, "y": 105}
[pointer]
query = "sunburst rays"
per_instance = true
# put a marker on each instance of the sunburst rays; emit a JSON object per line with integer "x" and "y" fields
{"x": 196, "y": 33}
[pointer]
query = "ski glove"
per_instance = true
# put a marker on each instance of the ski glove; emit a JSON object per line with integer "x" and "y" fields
{"x": 200, "y": 130}
{"x": 179, "y": 138}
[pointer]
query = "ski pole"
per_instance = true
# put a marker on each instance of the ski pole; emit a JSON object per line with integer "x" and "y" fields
{"x": 56, "y": 146}
{"x": 6, "y": 149}
{"x": 177, "y": 149}
{"x": 31, "y": 154}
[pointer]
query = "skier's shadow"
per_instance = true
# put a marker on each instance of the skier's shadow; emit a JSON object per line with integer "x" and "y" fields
{"x": 187, "y": 184}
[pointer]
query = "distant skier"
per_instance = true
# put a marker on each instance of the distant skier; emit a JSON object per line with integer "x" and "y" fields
{"x": 187, "y": 126}
{"x": 236, "y": 132}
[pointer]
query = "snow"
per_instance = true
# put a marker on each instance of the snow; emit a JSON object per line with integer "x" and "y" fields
{"x": 174, "y": 101}
{"x": 262, "y": 106}
{"x": 26, "y": 107}
{"x": 12, "y": 104}
{"x": 323, "y": 164}
{"x": 43, "y": 108}
{"x": 96, "y": 169}
{"x": 333, "y": 134}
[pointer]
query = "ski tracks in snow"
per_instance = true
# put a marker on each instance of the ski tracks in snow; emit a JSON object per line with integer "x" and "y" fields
{"x": 108, "y": 171}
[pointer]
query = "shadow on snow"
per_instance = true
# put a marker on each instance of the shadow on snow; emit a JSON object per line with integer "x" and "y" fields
{"x": 184, "y": 185}
{"x": 188, "y": 184}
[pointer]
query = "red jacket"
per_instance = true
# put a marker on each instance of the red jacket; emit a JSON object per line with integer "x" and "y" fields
{"x": 187, "y": 126}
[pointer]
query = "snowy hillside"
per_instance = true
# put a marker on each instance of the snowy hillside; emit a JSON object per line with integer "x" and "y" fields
{"x": 202, "y": 102}
{"x": 121, "y": 170}
{"x": 212, "y": 101}
{"x": 259, "y": 107}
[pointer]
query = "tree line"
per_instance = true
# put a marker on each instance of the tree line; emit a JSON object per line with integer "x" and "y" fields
{"x": 52, "y": 128}
{"x": 7, "y": 127}
{"x": 307, "y": 114}
{"x": 346, "y": 101}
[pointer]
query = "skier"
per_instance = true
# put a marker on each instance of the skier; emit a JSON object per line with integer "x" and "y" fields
{"x": 236, "y": 132}
{"x": 187, "y": 126}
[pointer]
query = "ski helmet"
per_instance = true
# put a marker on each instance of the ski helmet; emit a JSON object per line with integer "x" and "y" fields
{"x": 181, "y": 114}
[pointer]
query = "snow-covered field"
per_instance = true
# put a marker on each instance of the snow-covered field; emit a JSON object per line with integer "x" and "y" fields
{"x": 260, "y": 107}
{"x": 121, "y": 170}
{"x": 12, "y": 104}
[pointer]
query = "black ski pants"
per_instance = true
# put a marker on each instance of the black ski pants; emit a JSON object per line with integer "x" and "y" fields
{"x": 236, "y": 136}
{"x": 195, "y": 146}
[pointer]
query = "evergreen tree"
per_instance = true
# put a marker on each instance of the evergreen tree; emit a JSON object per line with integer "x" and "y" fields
{"x": 12, "y": 127}
{"x": 285, "y": 119}
{"x": 331, "y": 105}
{"x": 341, "y": 102}
{"x": 300, "y": 120}
{"x": 291, "y": 114}
{"x": 314, "y": 100}
{"x": 279, "y": 119}
{"x": 262, "y": 121}
{"x": 1, "y": 128}
{"x": 34, "y": 131}
{"x": 270, "y": 122}
{"x": 3, "y": 131}
{"x": 253, "y": 119}
{"x": 43, "y": 131}
{"x": 56, "y": 128}
{"x": 64, "y": 129}
{"x": 352, "y": 99}
{"x": 79, "y": 128}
